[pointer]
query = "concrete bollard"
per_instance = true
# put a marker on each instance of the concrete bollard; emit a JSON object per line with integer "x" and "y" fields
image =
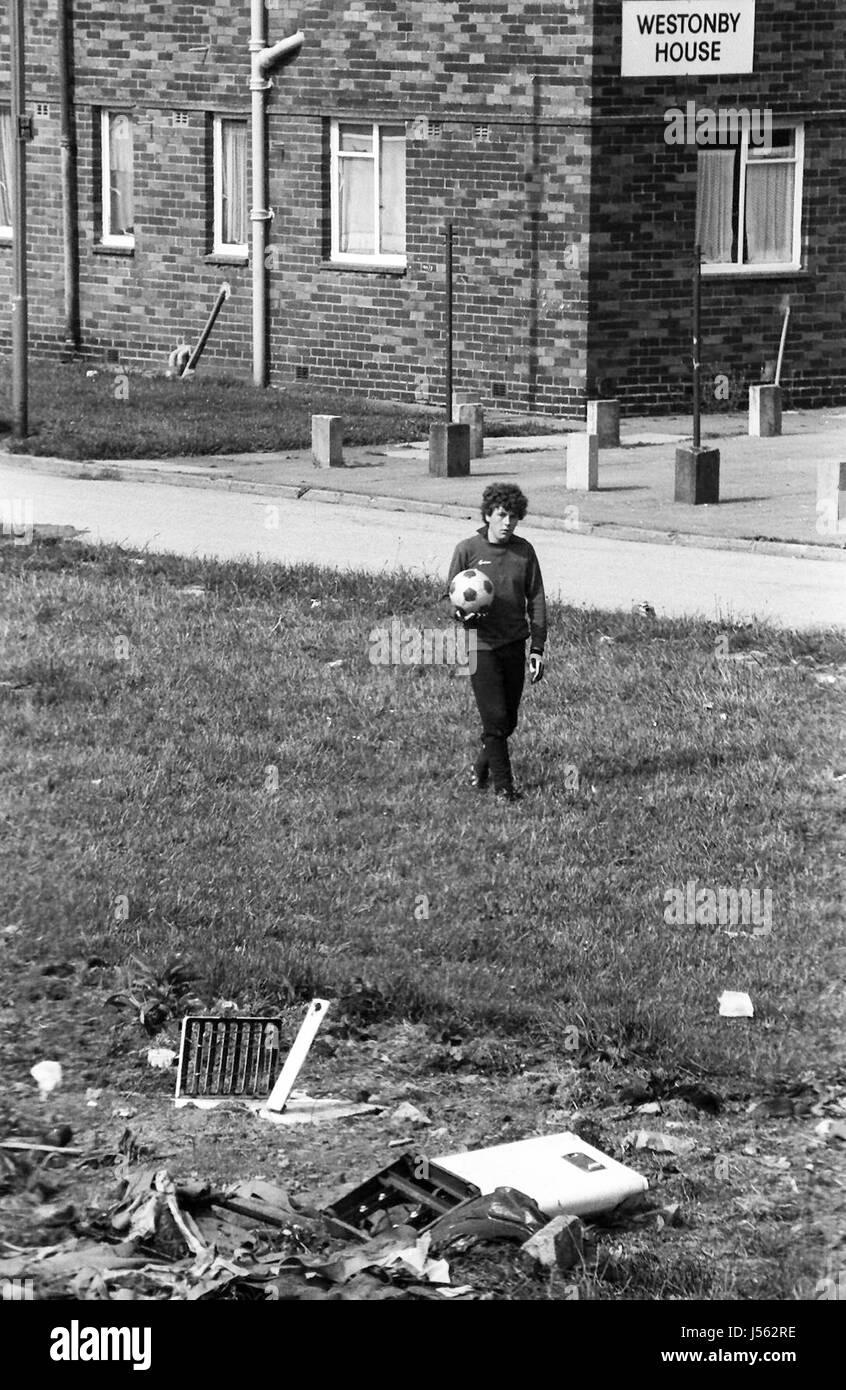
{"x": 764, "y": 411}
{"x": 582, "y": 463}
{"x": 831, "y": 498}
{"x": 449, "y": 450}
{"x": 327, "y": 441}
{"x": 603, "y": 420}
{"x": 697, "y": 476}
{"x": 474, "y": 416}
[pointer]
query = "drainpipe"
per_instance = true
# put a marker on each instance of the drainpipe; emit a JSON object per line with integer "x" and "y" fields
{"x": 262, "y": 59}
{"x": 70, "y": 203}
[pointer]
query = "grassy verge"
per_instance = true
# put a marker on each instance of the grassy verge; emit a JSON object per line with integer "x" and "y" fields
{"x": 117, "y": 414}
{"x": 226, "y": 775}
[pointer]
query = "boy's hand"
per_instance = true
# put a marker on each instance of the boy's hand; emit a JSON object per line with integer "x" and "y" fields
{"x": 536, "y": 667}
{"x": 461, "y": 615}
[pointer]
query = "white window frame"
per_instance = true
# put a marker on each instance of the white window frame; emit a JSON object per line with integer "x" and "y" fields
{"x": 378, "y": 258}
{"x": 123, "y": 240}
{"x": 790, "y": 267}
{"x": 7, "y": 231}
{"x": 219, "y": 246}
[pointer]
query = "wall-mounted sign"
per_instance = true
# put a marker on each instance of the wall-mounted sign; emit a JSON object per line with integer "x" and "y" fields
{"x": 672, "y": 37}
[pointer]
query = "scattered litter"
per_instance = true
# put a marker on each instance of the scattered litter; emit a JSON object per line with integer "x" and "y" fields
{"x": 303, "y": 1109}
{"x": 560, "y": 1171}
{"x": 645, "y": 610}
{"x": 339, "y": 662}
{"x": 48, "y": 1076}
{"x": 652, "y": 1107}
{"x": 658, "y": 1143}
{"x": 734, "y": 1004}
{"x": 193, "y": 591}
{"x": 161, "y": 1057}
{"x": 558, "y": 1245}
{"x": 26, "y": 1146}
{"x": 504, "y": 1214}
{"x": 92, "y": 1096}
{"x": 265, "y": 1201}
{"x": 221, "y": 1059}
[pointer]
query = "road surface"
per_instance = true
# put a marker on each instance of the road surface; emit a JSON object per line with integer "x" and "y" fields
{"x": 582, "y": 570}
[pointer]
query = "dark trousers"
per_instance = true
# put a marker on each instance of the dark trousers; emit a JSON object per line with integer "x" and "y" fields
{"x": 498, "y": 686}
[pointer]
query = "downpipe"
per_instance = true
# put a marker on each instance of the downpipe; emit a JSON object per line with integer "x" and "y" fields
{"x": 262, "y": 60}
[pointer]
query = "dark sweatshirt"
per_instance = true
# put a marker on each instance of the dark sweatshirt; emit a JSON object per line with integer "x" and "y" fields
{"x": 514, "y": 571}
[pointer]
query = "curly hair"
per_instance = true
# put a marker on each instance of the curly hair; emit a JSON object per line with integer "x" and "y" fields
{"x": 506, "y": 495}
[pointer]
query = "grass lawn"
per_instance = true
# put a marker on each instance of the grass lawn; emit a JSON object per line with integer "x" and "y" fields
{"x": 151, "y": 778}
{"x": 117, "y": 415}
{"x": 206, "y": 776}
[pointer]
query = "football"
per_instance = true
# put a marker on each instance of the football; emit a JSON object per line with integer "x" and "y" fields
{"x": 472, "y": 591}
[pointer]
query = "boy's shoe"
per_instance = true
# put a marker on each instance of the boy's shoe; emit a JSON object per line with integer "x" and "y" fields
{"x": 508, "y": 794}
{"x": 479, "y": 780}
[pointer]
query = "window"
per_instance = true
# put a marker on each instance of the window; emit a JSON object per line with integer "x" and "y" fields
{"x": 118, "y": 204}
{"x": 230, "y": 187}
{"x": 7, "y": 174}
{"x": 368, "y": 193}
{"x": 749, "y": 204}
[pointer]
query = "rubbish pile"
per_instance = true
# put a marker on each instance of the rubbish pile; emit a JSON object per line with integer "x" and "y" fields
{"x": 389, "y": 1238}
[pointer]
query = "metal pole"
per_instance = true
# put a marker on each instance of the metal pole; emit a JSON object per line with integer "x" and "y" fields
{"x": 70, "y": 200}
{"x": 448, "y": 235}
{"x": 697, "y": 309}
{"x": 222, "y": 295}
{"x": 20, "y": 414}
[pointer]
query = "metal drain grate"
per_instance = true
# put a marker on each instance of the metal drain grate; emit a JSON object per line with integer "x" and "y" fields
{"x": 228, "y": 1056}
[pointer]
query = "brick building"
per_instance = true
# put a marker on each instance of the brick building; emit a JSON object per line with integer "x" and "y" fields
{"x": 575, "y": 214}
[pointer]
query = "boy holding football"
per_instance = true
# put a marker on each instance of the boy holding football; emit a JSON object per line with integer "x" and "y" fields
{"x": 518, "y": 612}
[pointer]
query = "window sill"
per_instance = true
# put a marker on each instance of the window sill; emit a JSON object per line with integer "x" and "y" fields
{"x": 227, "y": 258}
{"x": 371, "y": 267}
{"x": 751, "y": 272}
{"x": 102, "y": 249}
{"x": 6, "y": 240}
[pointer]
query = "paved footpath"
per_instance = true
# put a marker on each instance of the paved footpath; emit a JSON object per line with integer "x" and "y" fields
{"x": 587, "y": 571}
{"x": 767, "y": 486}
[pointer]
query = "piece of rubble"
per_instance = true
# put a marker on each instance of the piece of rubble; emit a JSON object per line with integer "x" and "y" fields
{"x": 558, "y": 1245}
{"x": 408, "y": 1114}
